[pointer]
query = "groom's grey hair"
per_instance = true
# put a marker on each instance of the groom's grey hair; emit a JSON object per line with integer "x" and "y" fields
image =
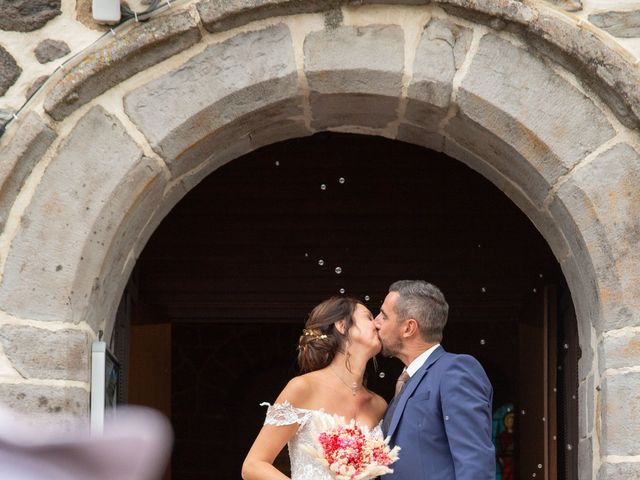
{"x": 425, "y": 303}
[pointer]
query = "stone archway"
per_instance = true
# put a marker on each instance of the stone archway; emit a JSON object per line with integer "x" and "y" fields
{"x": 543, "y": 107}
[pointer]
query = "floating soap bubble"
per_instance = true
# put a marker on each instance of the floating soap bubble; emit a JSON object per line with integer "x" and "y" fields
{"x": 277, "y": 163}
{"x": 342, "y": 290}
{"x": 483, "y": 289}
{"x": 539, "y": 465}
{"x": 535, "y": 290}
{"x": 321, "y": 262}
{"x": 381, "y": 374}
{"x": 523, "y": 412}
{"x": 341, "y": 180}
{"x": 544, "y": 419}
{"x": 483, "y": 342}
{"x": 306, "y": 255}
{"x": 566, "y": 346}
{"x": 446, "y": 417}
{"x": 569, "y": 447}
{"x": 366, "y": 297}
{"x": 338, "y": 270}
{"x": 540, "y": 275}
{"x": 323, "y": 187}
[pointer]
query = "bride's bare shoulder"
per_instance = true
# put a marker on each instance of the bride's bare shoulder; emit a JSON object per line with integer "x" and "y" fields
{"x": 299, "y": 389}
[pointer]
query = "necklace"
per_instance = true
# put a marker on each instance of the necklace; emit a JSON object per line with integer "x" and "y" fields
{"x": 354, "y": 387}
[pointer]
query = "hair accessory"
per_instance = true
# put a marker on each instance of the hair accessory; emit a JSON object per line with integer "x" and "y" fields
{"x": 316, "y": 333}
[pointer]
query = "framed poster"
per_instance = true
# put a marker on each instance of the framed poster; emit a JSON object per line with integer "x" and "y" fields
{"x": 105, "y": 379}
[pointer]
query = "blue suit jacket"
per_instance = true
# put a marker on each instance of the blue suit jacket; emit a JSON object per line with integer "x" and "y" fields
{"x": 442, "y": 422}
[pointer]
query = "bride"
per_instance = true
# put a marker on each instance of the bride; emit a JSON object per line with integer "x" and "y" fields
{"x": 338, "y": 340}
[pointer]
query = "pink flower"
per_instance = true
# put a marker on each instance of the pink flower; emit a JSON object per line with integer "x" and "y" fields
{"x": 351, "y": 451}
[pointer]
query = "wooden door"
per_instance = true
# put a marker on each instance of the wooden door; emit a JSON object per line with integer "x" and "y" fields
{"x": 150, "y": 369}
{"x": 536, "y": 415}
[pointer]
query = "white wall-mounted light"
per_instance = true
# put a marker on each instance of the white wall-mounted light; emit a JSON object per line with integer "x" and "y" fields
{"x": 106, "y": 11}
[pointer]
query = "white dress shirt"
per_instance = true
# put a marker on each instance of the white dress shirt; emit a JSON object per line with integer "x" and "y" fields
{"x": 419, "y": 360}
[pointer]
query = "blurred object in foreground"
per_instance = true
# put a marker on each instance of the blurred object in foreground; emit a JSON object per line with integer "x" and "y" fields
{"x": 135, "y": 445}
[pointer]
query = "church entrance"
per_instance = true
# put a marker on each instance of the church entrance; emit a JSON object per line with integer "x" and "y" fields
{"x": 213, "y": 310}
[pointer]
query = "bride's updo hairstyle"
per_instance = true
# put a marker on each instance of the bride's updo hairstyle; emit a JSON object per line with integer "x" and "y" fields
{"x": 320, "y": 339}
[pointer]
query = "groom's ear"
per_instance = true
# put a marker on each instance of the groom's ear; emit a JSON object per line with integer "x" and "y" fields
{"x": 340, "y": 327}
{"x": 410, "y": 327}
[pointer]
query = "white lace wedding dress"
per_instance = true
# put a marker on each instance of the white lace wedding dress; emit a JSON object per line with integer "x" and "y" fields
{"x": 303, "y": 467}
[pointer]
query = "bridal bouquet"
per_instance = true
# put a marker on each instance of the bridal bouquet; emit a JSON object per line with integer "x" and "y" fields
{"x": 351, "y": 451}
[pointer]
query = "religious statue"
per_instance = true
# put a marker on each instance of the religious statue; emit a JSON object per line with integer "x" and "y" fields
{"x": 505, "y": 447}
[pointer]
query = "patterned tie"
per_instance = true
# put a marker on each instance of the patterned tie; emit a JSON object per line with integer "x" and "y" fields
{"x": 402, "y": 379}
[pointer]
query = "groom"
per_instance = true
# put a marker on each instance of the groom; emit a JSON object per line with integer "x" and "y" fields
{"x": 441, "y": 414}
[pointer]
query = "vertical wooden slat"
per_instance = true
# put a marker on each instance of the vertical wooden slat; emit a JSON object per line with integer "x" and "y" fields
{"x": 552, "y": 381}
{"x": 150, "y": 369}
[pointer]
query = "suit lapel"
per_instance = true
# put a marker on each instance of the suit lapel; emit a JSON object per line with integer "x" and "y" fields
{"x": 412, "y": 384}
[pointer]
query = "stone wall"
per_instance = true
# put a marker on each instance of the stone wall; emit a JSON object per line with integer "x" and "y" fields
{"x": 537, "y": 101}
{"x": 38, "y": 37}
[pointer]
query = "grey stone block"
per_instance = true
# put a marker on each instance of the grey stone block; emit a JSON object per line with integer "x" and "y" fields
{"x": 138, "y": 49}
{"x": 31, "y": 139}
{"x": 594, "y": 204}
{"x": 59, "y": 405}
{"x": 27, "y": 15}
{"x": 355, "y": 75}
{"x": 523, "y": 102}
{"x": 596, "y": 62}
{"x": 620, "y": 351}
{"x": 585, "y": 459}
{"x": 216, "y": 89}
{"x": 585, "y": 362}
{"x": 582, "y": 411}
{"x": 620, "y": 421}
{"x": 591, "y": 394}
{"x": 218, "y": 16}
{"x": 69, "y": 209}
{"x": 119, "y": 230}
{"x": 624, "y": 470}
{"x": 419, "y": 136}
{"x": 619, "y": 24}
{"x": 49, "y": 50}
{"x": 586, "y": 412}
{"x": 500, "y": 154}
{"x": 332, "y": 111}
{"x": 9, "y": 71}
{"x": 43, "y": 354}
{"x": 579, "y": 271}
{"x": 368, "y": 60}
{"x": 440, "y": 53}
{"x": 265, "y": 126}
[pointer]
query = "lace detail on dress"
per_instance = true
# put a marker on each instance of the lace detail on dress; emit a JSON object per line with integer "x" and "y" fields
{"x": 303, "y": 467}
{"x": 281, "y": 414}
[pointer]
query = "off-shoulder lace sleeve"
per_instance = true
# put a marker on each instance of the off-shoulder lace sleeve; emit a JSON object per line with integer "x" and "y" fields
{"x": 280, "y": 414}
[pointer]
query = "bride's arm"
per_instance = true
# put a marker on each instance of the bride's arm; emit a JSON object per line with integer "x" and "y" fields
{"x": 258, "y": 465}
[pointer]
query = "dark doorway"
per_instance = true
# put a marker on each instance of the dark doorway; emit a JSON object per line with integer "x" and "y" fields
{"x": 237, "y": 265}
